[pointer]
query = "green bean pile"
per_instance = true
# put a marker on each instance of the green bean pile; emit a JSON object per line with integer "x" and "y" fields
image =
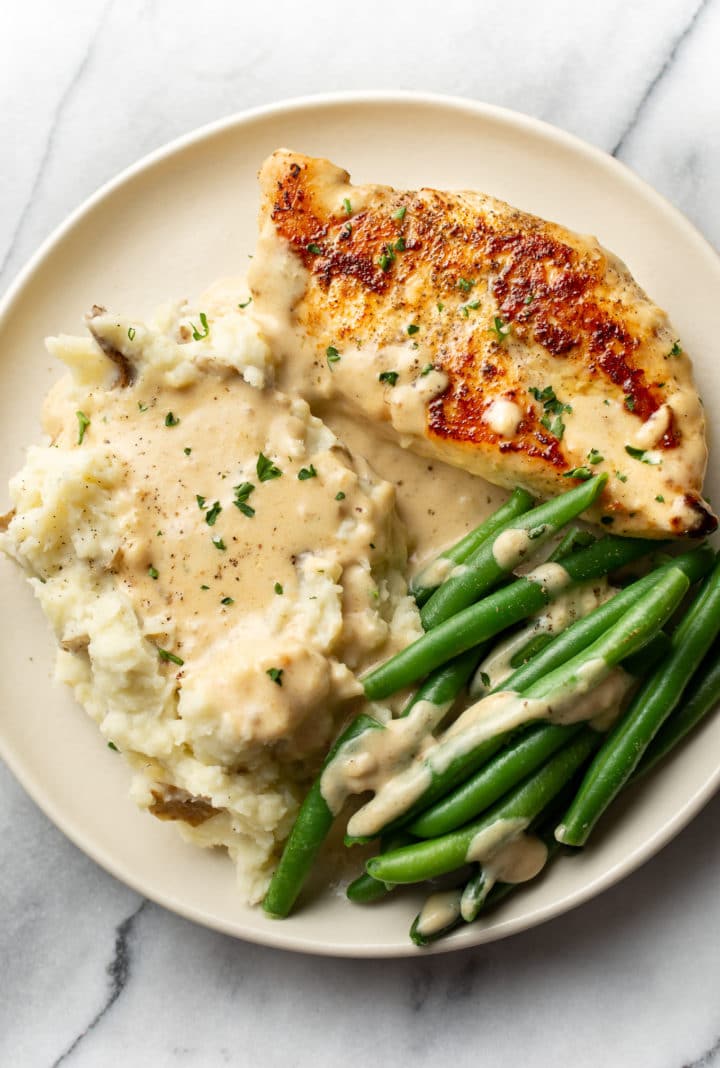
{"x": 480, "y": 786}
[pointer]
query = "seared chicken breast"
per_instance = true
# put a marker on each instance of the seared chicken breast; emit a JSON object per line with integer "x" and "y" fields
{"x": 482, "y": 336}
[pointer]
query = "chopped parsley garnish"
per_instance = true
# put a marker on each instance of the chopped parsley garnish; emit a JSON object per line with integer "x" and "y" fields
{"x": 307, "y": 472}
{"x": 340, "y": 496}
{"x": 529, "y": 298}
{"x": 276, "y": 675}
{"x": 466, "y": 284}
{"x": 537, "y": 532}
{"x": 607, "y": 402}
{"x": 171, "y": 420}
{"x": 187, "y": 450}
{"x": 131, "y": 333}
{"x": 111, "y": 745}
{"x": 315, "y": 249}
{"x": 386, "y": 258}
{"x": 427, "y": 369}
{"x": 142, "y": 407}
{"x": 278, "y": 588}
{"x": 164, "y": 654}
{"x": 583, "y": 473}
{"x": 400, "y": 214}
{"x": 400, "y": 244}
{"x": 227, "y": 600}
{"x": 346, "y": 231}
{"x": 266, "y": 469}
{"x": 641, "y": 455}
{"x": 218, "y": 542}
{"x": 676, "y": 350}
{"x": 153, "y": 572}
{"x": 620, "y": 476}
{"x": 212, "y": 514}
{"x": 200, "y": 500}
{"x": 390, "y": 377}
{"x": 332, "y": 355}
{"x": 485, "y": 679}
{"x": 83, "y": 424}
{"x": 413, "y": 328}
{"x": 245, "y": 303}
{"x": 554, "y": 424}
{"x": 204, "y": 587}
{"x": 499, "y": 328}
{"x": 440, "y": 306}
{"x": 242, "y": 492}
{"x": 594, "y": 457}
{"x": 660, "y": 499}
{"x": 472, "y": 305}
{"x": 197, "y": 335}
{"x": 553, "y": 408}
{"x": 348, "y": 206}
{"x": 629, "y": 402}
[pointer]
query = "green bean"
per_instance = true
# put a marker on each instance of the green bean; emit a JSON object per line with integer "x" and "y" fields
{"x": 425, "y": 860}
{"x": 452, "y": 918}
{"x": 579, "y": 635}
{"x": 475, "y": 894}
{"x": 524, "y": 752}
{"x": 445, "y": 683}
{"x": 702, "y": 695}
{"x": 493, "y": 614}
{"x": 627, "y": 743}
{"x": 424, "y": 583}
{"x": 365, "y": 889}
{"x": 545, "y": 831}
{"x": 441, "y": 688}
{"x": 576, "y": 538}
{"x": 310, "y": 829}
{"x": 471, "y": 741}
{"x": 517, "y": 760}
{"x": 482, "y": 570}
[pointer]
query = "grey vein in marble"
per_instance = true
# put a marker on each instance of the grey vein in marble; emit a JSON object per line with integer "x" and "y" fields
{"x": 658, "y": 77}
{"x": 118, "y": 972}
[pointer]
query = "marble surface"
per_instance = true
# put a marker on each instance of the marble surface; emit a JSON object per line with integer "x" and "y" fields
{"x": 91, "y": 970}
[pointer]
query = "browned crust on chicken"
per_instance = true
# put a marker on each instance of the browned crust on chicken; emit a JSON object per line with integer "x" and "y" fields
{"x": 557, "y": 294}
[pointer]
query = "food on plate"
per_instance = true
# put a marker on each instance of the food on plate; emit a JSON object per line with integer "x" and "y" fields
{"x": 216, "y": 566}
{"x": 482, "y": 336}
{"x": 284, "y": 592}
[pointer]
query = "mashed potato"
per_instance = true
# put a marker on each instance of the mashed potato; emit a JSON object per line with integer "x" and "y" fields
{"x": 215, "y": 564}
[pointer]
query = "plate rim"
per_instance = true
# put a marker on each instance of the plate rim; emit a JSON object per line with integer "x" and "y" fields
{"x": 285, "y": 938}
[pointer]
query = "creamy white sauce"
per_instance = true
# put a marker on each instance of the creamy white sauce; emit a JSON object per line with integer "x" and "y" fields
{"x": 551, "y": 577}
{"x": 371, "y": 760}
{"x": 409, "y": 402}
{"x": 490, "y": 839}
{"x": 582, "y": 698}
{"x": 436, "y": 572}
{"x": 651, "y": 432}
{"x": 575, "y": 604}
{"x": 439, "y": 911}
{"x": 503, "y": 417}
{"x": 510, "y": 547}
{"x": 517, "y": 861}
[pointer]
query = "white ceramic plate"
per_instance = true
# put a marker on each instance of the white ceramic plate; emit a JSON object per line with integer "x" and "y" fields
{"x": 168, "y": 226}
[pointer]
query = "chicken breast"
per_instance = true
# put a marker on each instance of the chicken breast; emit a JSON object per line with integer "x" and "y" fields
{"x": 481, "y": 336}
